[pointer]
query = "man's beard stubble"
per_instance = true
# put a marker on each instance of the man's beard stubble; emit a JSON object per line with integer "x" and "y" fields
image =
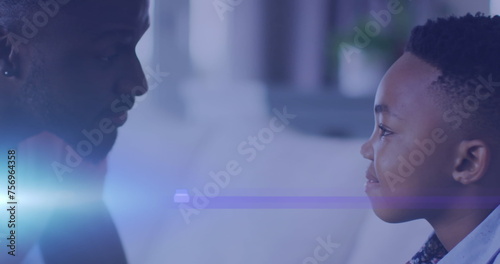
{"x": 47, "y": 114}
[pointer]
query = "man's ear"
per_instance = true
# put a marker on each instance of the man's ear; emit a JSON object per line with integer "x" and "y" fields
{"x": 8, "y": 54}
{"x": 472, "y": 161}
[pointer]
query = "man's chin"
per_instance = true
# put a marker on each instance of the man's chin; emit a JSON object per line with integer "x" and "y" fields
{"x": 99, "y": 151}
{"x": 92, "y": 146}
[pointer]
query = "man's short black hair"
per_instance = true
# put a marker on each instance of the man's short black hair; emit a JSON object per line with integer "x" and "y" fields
{"x": 466, "y": 50}
{"x": 12, "y": 12}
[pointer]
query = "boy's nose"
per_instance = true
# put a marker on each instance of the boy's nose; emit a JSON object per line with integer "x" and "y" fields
{"x": 367, "y": 150}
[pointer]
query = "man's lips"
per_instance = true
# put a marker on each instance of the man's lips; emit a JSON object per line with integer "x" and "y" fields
{"x": 119, "y": 119}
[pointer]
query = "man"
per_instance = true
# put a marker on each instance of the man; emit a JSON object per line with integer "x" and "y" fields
{"x": 435, "y": 148}
{"x": 69, "y": 74}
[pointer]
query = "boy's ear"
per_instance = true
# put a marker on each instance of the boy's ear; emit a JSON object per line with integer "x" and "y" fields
{"x": 471, "y": 162}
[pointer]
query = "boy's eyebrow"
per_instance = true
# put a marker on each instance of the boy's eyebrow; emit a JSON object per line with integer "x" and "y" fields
{"x": 382, "y": 108}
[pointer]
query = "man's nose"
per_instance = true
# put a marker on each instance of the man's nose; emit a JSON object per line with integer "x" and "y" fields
{"x": 133, "y": 81}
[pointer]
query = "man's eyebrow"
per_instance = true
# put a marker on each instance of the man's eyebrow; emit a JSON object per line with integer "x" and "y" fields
{"x": 122, "y": 31}
{"x": 112, "y": 33}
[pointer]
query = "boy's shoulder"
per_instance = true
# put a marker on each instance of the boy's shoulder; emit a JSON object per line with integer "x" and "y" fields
{"x": 481, "y": 246}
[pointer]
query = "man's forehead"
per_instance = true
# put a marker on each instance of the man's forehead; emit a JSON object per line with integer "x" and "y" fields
{"x": 102, "y": 13}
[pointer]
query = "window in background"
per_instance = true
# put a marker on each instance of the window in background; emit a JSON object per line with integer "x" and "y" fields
{"x": 494, "y": 7}
{"x": 145, "y": 46}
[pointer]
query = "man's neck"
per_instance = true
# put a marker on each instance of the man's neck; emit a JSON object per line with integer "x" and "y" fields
{"x": 10, "y": 140}
{"x": 14, "y": 129}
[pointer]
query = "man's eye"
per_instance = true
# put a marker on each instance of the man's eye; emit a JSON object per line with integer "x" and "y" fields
{"x": 115, "y": 52}
{"x": 109, "y": 58}
{"x": 112, "y": 53}
{"x": 384, "y": 131}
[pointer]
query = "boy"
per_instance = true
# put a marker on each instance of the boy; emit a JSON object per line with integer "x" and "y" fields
{"x": 435, "y": 150}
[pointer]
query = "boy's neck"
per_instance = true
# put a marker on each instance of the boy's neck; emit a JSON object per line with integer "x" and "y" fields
{"x": 454, "y": 225}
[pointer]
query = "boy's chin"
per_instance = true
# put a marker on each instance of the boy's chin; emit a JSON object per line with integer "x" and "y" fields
{"x": 396, "y": 215}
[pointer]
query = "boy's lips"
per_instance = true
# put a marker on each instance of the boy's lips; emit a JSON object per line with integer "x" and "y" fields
{"x": 371, "y": 176}
{"x": 372, "y": 185}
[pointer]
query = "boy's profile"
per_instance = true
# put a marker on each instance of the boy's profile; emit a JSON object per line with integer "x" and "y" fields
{"x": 435, "y": 150}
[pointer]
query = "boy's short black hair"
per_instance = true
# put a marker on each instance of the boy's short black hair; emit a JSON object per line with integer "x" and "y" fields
{"x": 466, "y": 50}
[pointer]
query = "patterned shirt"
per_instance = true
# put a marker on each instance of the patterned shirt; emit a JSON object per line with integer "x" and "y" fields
{"x": 431, "y": 253}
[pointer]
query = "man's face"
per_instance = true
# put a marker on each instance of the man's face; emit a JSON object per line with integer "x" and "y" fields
{"x": 84, "y": 73}
{"x": 411, "y": 148}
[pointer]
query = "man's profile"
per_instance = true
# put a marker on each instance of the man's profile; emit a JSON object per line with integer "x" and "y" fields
{"x": 68, "y": 68}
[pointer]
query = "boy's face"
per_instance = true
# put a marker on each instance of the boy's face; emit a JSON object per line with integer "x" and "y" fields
{"x": 411, "y": 147}
{"x": 83, "y": 72}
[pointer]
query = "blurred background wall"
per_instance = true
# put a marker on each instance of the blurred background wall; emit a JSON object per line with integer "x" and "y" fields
{"x": 293, "y": 47}
{"x": 229, "y": 64}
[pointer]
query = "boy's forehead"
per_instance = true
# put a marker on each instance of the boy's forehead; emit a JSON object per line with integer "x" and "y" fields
{"x": 408, "y": 74}
{"x": 405, "y": 85}
{"x": 410, "y": 68}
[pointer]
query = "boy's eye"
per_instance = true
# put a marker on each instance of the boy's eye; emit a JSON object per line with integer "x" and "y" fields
{"x": 384, "y": 131}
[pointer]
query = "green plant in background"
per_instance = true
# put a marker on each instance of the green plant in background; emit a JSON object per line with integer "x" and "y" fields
{"x": 380, "y": 33}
